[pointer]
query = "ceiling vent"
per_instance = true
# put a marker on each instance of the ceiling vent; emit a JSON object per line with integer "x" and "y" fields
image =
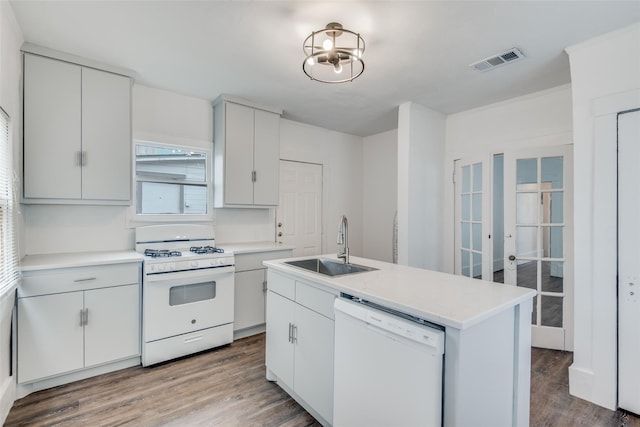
{"x": 493, "y": 61}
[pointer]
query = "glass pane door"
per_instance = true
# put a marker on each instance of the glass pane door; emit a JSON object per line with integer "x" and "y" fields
{"x": 537, "y": 184}
{"x": 472, "y": 249}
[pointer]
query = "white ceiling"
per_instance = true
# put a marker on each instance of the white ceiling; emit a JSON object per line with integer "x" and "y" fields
{"x": 415, "y": 50}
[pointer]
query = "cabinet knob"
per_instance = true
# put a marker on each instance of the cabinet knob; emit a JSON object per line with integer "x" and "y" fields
{"x": 512, "y": 257}
{"x": 279, "y": 224}
{"x": 280, "y": 234}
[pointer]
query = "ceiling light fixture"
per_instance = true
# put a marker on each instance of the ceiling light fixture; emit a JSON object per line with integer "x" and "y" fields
{"x": 333, "y": 54}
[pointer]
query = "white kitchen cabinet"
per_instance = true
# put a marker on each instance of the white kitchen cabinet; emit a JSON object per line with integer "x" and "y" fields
{"x": 77, "y": 129}
{"x": 50, "y": 336}
{"x": 111, "y": 331}
{"x": 249, "y": 300}
{"x": 247, "y": 154}
{"x": 250, "y": 290}
{"x": 299, "y": 349}
{"x": 76, "y": 318}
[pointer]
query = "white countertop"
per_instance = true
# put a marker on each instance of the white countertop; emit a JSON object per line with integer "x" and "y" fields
{"x": 77, "y": 259}
{"x": 453, "y": 301}
{"x": 252, "y": 247}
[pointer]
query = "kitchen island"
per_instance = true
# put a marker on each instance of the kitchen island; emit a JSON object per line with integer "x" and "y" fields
{"x": 487, "y": 335}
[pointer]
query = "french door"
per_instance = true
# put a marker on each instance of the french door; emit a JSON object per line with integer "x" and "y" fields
{"x": 472, "y": 213}
{"x": 538, "y": 200}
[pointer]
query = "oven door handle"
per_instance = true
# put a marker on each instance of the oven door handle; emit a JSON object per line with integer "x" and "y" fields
{"x": 204, "y": 273}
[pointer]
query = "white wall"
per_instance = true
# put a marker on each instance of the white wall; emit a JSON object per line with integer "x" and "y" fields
{"x": 341, "y": 157}
{"x": 601, "y": 69}
{"x": 10, "y": 69}
{"x": 379, "y": 194}
{"x": 421, "y": 150}
{"x": 538, "y": 119}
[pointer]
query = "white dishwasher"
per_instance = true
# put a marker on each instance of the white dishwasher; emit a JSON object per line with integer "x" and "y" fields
{"x": 387, "y": 369}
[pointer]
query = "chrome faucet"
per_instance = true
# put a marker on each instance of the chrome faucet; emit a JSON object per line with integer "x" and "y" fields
{"x": 343, "y": 239}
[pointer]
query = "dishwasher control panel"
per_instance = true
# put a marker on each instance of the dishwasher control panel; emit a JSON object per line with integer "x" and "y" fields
{"x": 392, "y": 322}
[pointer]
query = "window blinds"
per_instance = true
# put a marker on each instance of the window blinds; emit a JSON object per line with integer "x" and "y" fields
{"x": 8, "y": 243}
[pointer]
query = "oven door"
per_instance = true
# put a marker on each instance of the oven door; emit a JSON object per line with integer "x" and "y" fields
{"x": 186, "y": 301}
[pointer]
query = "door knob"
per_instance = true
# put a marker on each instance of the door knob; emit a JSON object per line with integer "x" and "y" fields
{"x": 512, "y": 257}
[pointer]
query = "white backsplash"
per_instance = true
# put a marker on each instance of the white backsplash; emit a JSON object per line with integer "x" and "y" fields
{"x": 245, "y": 225}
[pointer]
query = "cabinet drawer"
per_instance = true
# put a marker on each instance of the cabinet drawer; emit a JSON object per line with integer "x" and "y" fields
{"x": 282, "y": 285}
{"x": 79, "y": 278}
{"x": 315, "y": 299}
{"x": 253, "y": 261}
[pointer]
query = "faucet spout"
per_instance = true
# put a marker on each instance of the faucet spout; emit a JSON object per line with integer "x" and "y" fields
{"x": 343, "y": 239}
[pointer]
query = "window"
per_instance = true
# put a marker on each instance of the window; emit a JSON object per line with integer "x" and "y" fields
{"x": 8, "y": 242}
{"x": 171, "y": 181}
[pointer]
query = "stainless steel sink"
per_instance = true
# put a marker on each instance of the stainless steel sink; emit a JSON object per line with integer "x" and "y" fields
{"x": 329, "y": 267}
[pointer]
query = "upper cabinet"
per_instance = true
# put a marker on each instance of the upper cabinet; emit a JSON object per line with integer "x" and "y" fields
{"x": 77, "y": 133}
{"x": 247, "y": 154}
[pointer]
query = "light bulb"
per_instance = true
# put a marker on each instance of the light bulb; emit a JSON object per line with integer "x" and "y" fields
{"x": 327, "y": 44}
{"x": 337, "y": 68}
{"x": 310, "y": 60}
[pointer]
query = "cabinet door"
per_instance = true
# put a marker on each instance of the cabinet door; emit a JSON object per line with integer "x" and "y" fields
{"x": 52, "y": 123}
{"x": 238, "y": 184}
{"x": 112, "y": 331}
{"x": 279, "y": 351}
{"x": 249, "y": 299}
{"x": 106, "y": 136}
{"x": 313, "y": 374}
{"x": 50, "y": 335}
{"x": 266, "y": 158}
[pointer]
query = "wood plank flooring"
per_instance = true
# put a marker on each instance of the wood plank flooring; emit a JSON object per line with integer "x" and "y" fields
{"x": 227, "y": 387}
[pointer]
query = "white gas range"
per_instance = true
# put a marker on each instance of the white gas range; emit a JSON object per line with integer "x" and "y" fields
{"x": 187, "y": 291}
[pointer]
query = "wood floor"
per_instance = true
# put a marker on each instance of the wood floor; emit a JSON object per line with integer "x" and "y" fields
{"x": 227, "y": 387}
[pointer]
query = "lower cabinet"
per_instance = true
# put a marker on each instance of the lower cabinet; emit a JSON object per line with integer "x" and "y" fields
{"x": 299, "y": 349}
{"x": 71, "y": 319}
{"x": 250, "y": 290}
{"x": 250, "y": 287}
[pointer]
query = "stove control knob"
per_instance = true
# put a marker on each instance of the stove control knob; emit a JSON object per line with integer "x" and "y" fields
{"x": 152, "y": 268}
{"x": 213, "y": 262}
{"x": 160, "y": 267}
{"x": 194, "y": 263}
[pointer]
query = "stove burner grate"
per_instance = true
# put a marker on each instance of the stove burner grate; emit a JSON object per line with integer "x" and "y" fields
{"x": 206, "y": 250}
{"x": 161, "y": 253}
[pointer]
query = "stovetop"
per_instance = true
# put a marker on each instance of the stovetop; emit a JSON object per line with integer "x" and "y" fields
{"x": 170, "y": 253}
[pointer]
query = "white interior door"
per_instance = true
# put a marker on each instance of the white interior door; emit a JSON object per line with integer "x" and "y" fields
{"x": 538, "y": 239}
{"x": 628, "y": 261}
{"x": 299, "y": 213}
{"x": 472, "y": 212}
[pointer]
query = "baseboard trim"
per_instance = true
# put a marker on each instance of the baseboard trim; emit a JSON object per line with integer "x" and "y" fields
{"x": 582, "y": 384}
{"x": 25, "y": 389}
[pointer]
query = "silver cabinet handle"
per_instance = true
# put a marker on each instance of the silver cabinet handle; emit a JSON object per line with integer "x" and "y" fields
{"x": 86, "y": 316}
{"x": 290, "y": 334}
{"x": 81, "y": 317}
{"x": 88, "y": 279}
{"x": 84, "y": 158}
{"x": 295, "y": 334}
{"x": 264, "y": 286}
{"x": 78, "y": 160}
